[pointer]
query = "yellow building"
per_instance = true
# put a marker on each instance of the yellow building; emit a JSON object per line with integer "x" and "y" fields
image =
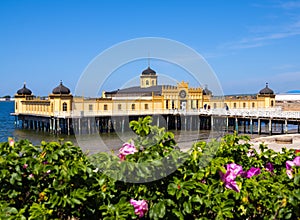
{"x": 61, "y": 112}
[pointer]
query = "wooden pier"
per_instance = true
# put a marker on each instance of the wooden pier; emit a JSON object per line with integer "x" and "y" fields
{"x": 267, "y": 121}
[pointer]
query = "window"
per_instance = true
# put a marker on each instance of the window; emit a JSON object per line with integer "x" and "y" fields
{"x": 105, "y": 107}
{"x": 244, "y": 105}
{"x": 16, "y": 105}
{"x": 146, "y": 106}
{"x": 234, "y": 105}
{"x": 90, "y": 107}
{"x": 253, "y": 105}
{"x": 272, "y": 103}
{"x": 65, "y": 107}
{"x": 167, "y": 104}
{"x": 197, "y": 104}
{"x": 119, "y": 107}
{"x": 173, "y": 104}
{"x": 133, "y": 107}
{"x": 147, "y": 82}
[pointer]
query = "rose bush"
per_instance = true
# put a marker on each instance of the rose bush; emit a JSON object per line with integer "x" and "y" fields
{"x": 225, "y": 179}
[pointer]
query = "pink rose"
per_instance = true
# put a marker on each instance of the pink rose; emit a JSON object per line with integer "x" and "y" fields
{"x": 11, "y": 142}
{"x": 269, "y": 167}
{"x": 126, "y": 149}
{"x": 253, "y": 171}
{"x": 232, "y": 171}
{"x": 289, "y": 166}
{"x": 140, "y": 207}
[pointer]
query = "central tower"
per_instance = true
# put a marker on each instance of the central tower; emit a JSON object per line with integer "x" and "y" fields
{"x": 148, "y": 78}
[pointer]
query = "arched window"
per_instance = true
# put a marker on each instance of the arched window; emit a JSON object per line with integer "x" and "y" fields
{"x": 51, "y": 109}
{"x": 147, "y": 82}
{"x": 65, "y": 107}
{"x": 272, "y": 103}
{"x": 16, "y": 106}
{"x": 133, "y": 107}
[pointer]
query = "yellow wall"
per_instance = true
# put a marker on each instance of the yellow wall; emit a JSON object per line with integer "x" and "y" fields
{"x": 194, "y": 98}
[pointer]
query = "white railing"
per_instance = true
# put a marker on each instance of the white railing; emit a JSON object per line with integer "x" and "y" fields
{"x": 253, "y": 113}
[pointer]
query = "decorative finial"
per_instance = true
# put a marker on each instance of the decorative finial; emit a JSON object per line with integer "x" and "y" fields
{"x": 148, "y": 59}
{"x": 24, "y": 84}
{"x": 60, "y": 82}
{"x": 267, "y": 84}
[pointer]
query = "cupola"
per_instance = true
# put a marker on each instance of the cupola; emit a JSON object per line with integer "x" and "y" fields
{"x": 61, "y": 90}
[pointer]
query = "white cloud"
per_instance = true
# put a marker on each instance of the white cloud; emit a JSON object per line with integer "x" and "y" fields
{"x": 265, "y": 38}
{"x": 290, "y": 4}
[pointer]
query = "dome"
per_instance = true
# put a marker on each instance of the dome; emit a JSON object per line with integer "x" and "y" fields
{"x": 61, "y": 89}
{"x": 148, "y": 71}
{"x": 266, "y": 91}
{"x": 24, "y": 91}
{"x": 206, "y": 91}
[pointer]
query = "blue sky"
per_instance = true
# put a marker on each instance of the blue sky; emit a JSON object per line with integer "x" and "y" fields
{"x": 246, "y": 43}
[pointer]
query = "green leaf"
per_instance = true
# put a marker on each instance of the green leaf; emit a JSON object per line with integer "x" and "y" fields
{"x": 187, "y": 207}
{"x": 297, "y": 179}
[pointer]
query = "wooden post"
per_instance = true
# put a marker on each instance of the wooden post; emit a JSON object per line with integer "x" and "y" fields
{"x": 258, "y": 126}
{"x": 68, "y": 126}
{"x": 285, "y": 126}
{"x": 227, "y": 124}
{"x": 236, "y": 125}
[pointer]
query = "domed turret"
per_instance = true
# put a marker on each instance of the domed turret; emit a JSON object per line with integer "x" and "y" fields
{"x": 206, "y": 91}
{"x": 24, "y": 91}
{"x": 148, "y": 71}
{"x": 266, "y": 91}
{"x": 61, "y": 89}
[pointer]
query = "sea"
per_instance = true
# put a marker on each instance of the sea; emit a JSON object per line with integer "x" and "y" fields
{"x": 108, "y": 142}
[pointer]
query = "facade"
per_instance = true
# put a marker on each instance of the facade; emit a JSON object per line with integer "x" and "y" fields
{"x": 62, "y": 110}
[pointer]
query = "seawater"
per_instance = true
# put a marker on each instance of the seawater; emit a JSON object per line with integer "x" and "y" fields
{"x": 88, "y": 143}
{"x": 7, "y": 126}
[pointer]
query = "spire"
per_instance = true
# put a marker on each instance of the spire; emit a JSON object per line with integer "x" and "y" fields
{"x": 148, "y": 59}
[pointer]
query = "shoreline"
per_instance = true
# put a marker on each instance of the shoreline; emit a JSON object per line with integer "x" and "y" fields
{"x": 273, "y": 143}
{"x": 255, "y": 141}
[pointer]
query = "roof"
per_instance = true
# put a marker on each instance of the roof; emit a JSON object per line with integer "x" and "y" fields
{"x": 157, "y": 90}
{"x": 61, "y": 89}
{"x": 24, "y": 91}
{"x": 148, "y": 71}
{"x": 266, "y": 91}
{"x": 206, "y": 91}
